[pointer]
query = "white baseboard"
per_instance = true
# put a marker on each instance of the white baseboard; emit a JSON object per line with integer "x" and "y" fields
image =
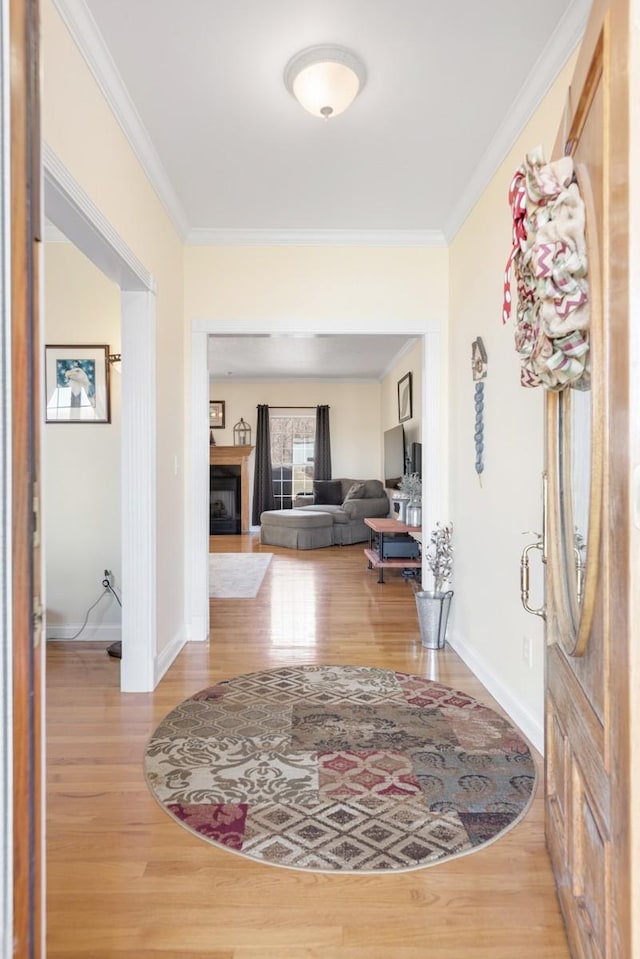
{"x": 103, "y": 633}
{"x": 531, "y": 726}
{"x": 169, "y": 654}
{"x": 197, "y": 632}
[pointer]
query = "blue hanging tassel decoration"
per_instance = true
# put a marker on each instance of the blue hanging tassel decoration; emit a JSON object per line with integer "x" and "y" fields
{"x": 479, "y": 370}
{"x": 479, "y": 428}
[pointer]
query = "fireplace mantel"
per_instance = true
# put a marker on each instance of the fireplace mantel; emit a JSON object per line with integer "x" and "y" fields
{"x": 236, "y": 456}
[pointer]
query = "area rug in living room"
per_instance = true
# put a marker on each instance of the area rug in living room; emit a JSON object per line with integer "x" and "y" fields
{"x": 237, "y": 575}
{"x": 347, "y": 769}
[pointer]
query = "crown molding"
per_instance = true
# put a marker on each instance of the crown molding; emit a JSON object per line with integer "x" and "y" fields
{"x": 202, "y": 236}
{"x": 87, "y": 37}
{"x": 307, "y": 380}
{"x": 408, "y": 346}
{"x": 544, "y": 72}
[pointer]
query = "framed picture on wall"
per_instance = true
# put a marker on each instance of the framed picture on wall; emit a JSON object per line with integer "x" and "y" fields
{"x": 405, "y": 398}
{"x": 216, "y": 414}
{"x": 77, "y": 384}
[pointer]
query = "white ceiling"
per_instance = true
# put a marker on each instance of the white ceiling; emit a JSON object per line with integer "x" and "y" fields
{"x": 304, "y": 357}
{"x": 198, "y": 85}
{"x": 198, "y": 88}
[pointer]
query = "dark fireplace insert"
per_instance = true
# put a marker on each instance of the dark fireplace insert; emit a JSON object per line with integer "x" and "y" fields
{"x": 224, "y": 499}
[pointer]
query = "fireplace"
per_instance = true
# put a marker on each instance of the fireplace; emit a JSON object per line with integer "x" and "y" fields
{"x": 224, "y": 499}
{"x": 231, "y": 490}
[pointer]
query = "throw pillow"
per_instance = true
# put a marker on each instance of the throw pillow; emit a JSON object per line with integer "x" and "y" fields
{"x": 327, "y": 493}
{"x": 356, "y": 491}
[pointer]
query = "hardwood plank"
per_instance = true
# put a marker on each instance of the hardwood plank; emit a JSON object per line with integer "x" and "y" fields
{"x": 125, "y": 880}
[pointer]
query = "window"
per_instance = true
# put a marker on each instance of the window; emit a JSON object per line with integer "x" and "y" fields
{"x": 292, "y": 441}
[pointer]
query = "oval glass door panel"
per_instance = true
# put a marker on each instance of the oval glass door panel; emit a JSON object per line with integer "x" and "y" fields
{"x": 580, "y": 428}
{"x": 580, "y": 452}
{"x": 575, "y": 494}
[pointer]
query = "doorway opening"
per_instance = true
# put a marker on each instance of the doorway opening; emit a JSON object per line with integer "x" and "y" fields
{"x": 72, "y": 211}
{"x": 433, "y": 441}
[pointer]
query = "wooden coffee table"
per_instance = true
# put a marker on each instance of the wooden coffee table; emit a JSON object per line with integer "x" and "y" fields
{"x": 388, "y": 527}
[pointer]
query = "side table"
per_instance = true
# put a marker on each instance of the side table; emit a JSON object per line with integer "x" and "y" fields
{"x": 375, "y": 555}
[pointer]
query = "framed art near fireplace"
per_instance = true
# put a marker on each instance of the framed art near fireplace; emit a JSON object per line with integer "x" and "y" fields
{"x": 216, "y": 414}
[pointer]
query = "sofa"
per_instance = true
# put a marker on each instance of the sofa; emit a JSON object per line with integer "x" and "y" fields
{"x": 348, "y": 502}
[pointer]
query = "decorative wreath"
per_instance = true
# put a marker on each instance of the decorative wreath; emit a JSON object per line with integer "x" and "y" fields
{"x": 549, "y": 259}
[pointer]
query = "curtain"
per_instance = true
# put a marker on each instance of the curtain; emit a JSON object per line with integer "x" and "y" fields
{"x": 322, "y": 448}
{"x": 263, "y": 476}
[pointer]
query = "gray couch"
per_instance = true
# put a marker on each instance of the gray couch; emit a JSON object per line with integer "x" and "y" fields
{"x": 348, "y": 516}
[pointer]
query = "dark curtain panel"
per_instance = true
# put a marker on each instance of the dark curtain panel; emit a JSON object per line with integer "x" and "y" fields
{"x": 322, "y": 449}
{"x": 263, "y": 478}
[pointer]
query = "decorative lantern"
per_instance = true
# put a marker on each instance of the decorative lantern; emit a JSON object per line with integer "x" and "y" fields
{"x": 242, "y": 434}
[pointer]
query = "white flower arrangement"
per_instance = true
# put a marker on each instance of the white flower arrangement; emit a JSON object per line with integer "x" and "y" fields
{"x": 411, "y": 486}
{"x": 440, "y": 555}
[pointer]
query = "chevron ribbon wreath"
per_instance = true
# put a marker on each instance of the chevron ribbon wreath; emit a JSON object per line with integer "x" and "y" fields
{"x": 549, "y": 261}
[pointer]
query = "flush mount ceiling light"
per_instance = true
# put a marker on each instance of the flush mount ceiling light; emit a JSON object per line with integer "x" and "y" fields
{"x": 325, "y": 79}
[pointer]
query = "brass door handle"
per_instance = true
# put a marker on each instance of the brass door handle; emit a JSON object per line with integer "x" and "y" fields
{"x": 541, "y": 545}
{"x": 579, "y": 573}
{"x": 524, "y": 577}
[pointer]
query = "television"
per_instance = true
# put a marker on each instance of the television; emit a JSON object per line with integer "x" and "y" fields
{"x": 394, "y": 456}
{"x": 416, "y": 458}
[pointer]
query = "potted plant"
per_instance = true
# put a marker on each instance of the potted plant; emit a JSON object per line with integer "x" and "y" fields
{"x": 433, "y": 607}
{"x": 410, "y": 487}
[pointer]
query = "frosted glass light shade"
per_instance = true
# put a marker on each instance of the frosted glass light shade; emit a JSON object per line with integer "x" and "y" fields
{"x": 325, "y": 80}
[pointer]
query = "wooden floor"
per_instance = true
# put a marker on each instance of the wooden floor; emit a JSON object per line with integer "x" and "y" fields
{"x": 124, "y": 880}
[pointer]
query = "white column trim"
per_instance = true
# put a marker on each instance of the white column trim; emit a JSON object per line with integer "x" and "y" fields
{"x": 197, "y": 580}
{"x": 139, "y": 532}
{"x": 433, "y": 500}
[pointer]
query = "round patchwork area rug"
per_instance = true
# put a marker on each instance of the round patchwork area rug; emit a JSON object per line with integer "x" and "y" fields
{"x": 340, "y": 769}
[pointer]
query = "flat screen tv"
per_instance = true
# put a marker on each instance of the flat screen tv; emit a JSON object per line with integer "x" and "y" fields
{"x": 394, "y": 456}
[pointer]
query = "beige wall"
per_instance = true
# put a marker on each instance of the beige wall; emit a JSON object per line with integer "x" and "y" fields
{"x": 79, "y": 126}
{"x": 354, "y": 416}
{"x": 81, "y": 462}
{"x": 317, "y": 289}
{"x": 489, "y": 520}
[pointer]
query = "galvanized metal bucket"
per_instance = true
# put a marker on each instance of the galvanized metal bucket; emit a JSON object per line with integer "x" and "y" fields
{"x": 433, "y": 613}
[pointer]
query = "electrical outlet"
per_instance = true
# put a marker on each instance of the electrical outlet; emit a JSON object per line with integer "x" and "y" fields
{"x": 527, "y": 651}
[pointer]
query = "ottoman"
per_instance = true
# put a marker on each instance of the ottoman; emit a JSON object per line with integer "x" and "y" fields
{"x": 296, "y": 528}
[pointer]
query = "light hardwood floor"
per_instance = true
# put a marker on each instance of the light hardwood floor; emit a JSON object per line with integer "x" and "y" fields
{"x": 124, "y": 880}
